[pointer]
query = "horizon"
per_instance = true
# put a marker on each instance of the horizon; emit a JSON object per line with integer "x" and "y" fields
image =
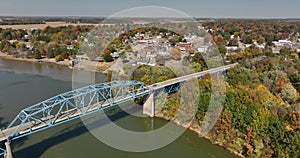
{"x": 104, "y": 17}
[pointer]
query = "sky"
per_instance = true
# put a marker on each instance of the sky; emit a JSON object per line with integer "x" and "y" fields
{"x": 194, "y": 8}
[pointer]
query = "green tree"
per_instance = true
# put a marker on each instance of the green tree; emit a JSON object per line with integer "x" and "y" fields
{"x": 222, "y": 49}
{"x": 261, "y": 40}
{"x": 107, "y": 58}
{"x": 247, "y": 39}
{"x": 36, "y": 54}
{"x": 227, "y": 36}
{"x": 289, "y": 93}
{"x": 21, "y": 46}
{"x": 59, "y": 58}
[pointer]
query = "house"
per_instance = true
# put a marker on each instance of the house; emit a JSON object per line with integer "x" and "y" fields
{"x": 184, "y": 46}
{"x": 285, "y": 41}
{"x": 260, "y": 46}
{"x": 165, "y": 55}
{"x": 248, "y": 45}
{"x": 82, "y": 57}
{"x": 152, "y": 63}
{"x": 115, "y": 55}
{"x": 276, "y": 50}
{"x": 202, "y": 48}
{"x": 159, "y": 37}
{"x": 29, "y": 46}
{"x": 232, "y": 48}
{"x": 142, "y": 42}
{"x": 282, "y": 43}
{"x": 277, "y": 44}
{"x": 142, "y": 62}
{"x": 69, "y": 47}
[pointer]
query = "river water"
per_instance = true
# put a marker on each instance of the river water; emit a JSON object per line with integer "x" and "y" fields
{"x": 23, "y": 84}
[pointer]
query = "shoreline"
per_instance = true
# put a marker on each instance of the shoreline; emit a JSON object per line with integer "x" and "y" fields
{"x": 97, "y": 66}
{"x": 44, "y": 60}
{"x": 196, "y": 129}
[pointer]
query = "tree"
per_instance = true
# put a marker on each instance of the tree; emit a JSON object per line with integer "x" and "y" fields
{"x": 106, "y": 51}
{"x": 111, "y": 49}
{"x": 51, "y": 53}
{"x": 36, "y": 54}
{"x": 247, "y": 39}
{"x": 198, "y": 58}
{"x": 191, "y": 51}
{"x": 227, "y": 36}
{"x": 218, "y": 39}
{"x": 5, "y": 46}
{"x": 261, "y": 40}
{"x": 21, "y": 46}
{"x": 234, "y": 42}
{"x": 107, "y": 58}
{"x": 59, "y": 58}
{"x": 146, "y": 79}
{"x": 222, "y": 49}
{"x": 236, "y": 34}
{"x": 289, "y": 93}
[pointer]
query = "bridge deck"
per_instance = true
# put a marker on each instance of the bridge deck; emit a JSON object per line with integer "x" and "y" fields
{"x": 76, "y": 113}
{"x": 67, "y": 115}
{"x": 189, "y": 77}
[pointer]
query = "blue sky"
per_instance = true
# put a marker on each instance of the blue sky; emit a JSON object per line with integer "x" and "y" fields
{"x": 196, "y": 8}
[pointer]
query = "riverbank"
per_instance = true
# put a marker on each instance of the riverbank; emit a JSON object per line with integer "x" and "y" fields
{"x": 44, "y": 60}
{"x": 96, "y": 66}
{"x": 197, "y": 129}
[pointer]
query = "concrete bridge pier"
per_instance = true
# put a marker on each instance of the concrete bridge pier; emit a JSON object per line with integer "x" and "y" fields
{"x": 8, "y": 150}
{"x": 149, "y": 106}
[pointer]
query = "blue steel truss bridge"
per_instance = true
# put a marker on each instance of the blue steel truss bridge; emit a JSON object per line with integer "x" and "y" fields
{"x": 74, "y": 104}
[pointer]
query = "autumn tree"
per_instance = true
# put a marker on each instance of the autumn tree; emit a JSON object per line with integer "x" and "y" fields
{"x": 261, "y": 40}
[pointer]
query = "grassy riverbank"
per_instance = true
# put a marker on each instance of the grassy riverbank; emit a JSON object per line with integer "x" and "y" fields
{"x": 92, "y": 66}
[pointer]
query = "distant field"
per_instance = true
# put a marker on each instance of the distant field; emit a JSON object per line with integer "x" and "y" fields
{"x": 41, "y": 26}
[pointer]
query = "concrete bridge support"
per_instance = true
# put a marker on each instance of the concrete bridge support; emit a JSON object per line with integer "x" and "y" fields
{"x": 149, "y": 106}
{"x": 8, "y": 150}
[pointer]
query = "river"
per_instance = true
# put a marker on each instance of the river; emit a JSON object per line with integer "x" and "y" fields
{"x": 23, "y": 84}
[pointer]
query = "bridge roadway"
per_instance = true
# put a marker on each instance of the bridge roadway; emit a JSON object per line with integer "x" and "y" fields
{"x": 76, "y": 113}
{"x": 67, "y": 115}
{"x": 190, "y": 76}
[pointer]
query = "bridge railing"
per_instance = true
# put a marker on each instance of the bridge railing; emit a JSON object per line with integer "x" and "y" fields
{"x": 2, "y": 151}
{"x": 79, "y": 102}
{"x": 74, "y": 104}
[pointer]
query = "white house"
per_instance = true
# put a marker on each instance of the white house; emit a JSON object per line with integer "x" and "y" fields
{"x": 202, "y": 48}
{"x": 232, "y": 48}
{"x": 285, "y": 41}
